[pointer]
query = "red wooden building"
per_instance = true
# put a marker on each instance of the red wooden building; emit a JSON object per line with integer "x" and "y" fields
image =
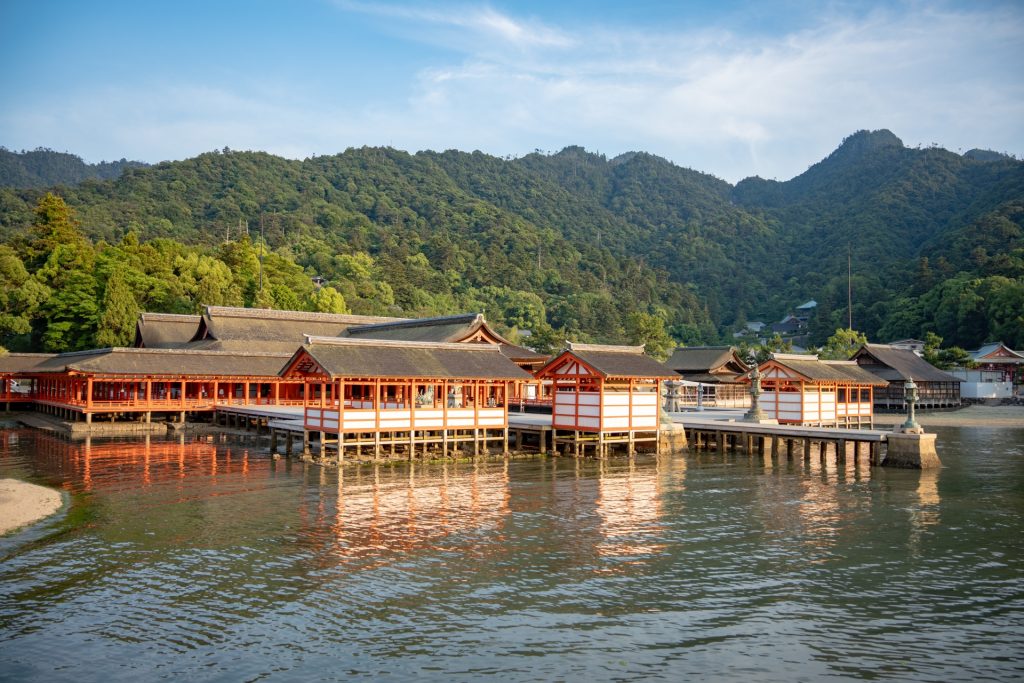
{"x": 611, "y": 393}
{"x": 372, "y": 393}
{"x": 140, "y": 382}
{"x": 801, "y": 389}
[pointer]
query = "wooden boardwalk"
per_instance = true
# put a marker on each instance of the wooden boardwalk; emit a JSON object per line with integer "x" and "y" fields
{"x": 724, "y": 431}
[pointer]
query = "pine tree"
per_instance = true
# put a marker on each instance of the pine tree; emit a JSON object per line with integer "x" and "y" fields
{"x": 120, "y": 311}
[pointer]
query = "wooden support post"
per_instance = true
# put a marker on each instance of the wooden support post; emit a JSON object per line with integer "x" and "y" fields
{"x": 775, "y": 447}
{"x": 288, "y": 443}
{"x": 720, "y": 442}
{"x": 476, "y": 443}
{"x": 376, "y": 445}
{"x": 341, "y": 449}
{"x": 841, "y": 451}
{"x": 305, "y": 442}
{"x": 505, "y": 441}
{"x": 760, "y": 446}
{"x": 807, "y": 449}
{"x": 323, "y": 444}
{"x": 789, "y": 449}
{"x": 273, "y": 439}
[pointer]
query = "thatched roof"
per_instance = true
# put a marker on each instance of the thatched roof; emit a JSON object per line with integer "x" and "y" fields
{"x": 22, "y": 362}
{"x": 165, "y": 330}
{"x": 165, "y": 362}
{"x": 614, "y": 362}
{"x": 899, "y": 364}
{"x": 344, "y": 357}
{"x": 708, "y": 364}
{"x": 450, "y": 328}
{"x": 226, "y": 323}
{"x": 838, "y": 371}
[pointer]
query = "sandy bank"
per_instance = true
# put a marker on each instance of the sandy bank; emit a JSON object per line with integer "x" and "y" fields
{"x": 969, "y": 416}
{"x": 22, "y": 503}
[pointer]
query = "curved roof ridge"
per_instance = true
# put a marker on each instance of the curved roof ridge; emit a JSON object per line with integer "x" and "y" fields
{"x": 606, "y": 348}
{"x": 420, "y": 322}
{"x": 401, "y": 344}
{"x": 275, "y": 314}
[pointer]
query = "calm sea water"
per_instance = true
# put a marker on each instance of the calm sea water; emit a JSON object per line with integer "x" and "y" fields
{"x": 205, "y": 560}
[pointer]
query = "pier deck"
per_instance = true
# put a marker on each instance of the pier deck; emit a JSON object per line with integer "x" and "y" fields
{"x": 725, "y": 430}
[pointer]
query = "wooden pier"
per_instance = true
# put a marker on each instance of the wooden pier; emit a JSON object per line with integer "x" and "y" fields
{"x": 705, "y": 433}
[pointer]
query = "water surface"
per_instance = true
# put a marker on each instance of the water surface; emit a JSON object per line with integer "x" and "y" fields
{"x": 205, "y": 560}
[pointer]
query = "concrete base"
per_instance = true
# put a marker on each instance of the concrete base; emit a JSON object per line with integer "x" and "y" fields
{"x": 916, "y": 451}
{"x": 672, "y": 437}
{"x": 759, "y": 421}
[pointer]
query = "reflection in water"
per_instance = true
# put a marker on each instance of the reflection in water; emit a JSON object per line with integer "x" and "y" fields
{"x": 377, "y": 511}
{"x": 629, "y": 504}
{"x": 203, "y": 559}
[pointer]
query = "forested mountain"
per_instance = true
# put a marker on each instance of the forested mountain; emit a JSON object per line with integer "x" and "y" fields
{"x": 570, "y": 244}
{"x": 45, "y": 168}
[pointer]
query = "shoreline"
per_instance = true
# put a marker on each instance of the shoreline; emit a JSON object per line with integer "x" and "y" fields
{"x": 968, "y": 416}
{"x": 22, "y": 504}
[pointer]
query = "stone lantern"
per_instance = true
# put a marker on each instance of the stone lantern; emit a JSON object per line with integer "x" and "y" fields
{"x": 755, "y": 414}
{"x": 910, "y": 395}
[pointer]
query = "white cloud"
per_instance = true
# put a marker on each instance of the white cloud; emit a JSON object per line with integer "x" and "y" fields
{"x": 730, "y": 104}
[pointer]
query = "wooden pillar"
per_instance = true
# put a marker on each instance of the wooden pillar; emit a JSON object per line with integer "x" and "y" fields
{"x": 720, "y": 442}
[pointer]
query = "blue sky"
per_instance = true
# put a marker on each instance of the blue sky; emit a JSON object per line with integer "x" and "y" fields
{"x": 727, "y": 87}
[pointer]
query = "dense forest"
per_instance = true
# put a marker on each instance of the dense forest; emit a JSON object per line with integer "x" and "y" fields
{"x": 46, "y": 168}
{"x": 565, "y": 245}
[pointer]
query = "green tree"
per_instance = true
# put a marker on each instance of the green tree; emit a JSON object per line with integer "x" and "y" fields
{"x": 649, "y": 330}
{"x": 71, "y": 315}
{"x": 55, "y": 225}
{"x": 328, "y": 300}
{"x": 119, "y": 314}
{"x": 842, "y": 344}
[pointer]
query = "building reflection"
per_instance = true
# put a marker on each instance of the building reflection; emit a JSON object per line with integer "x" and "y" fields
{"x": 373, "y": 512}
{"x": 630, "y": 504}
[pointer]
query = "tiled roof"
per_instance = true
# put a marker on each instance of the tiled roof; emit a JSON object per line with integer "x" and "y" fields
{"x": 263, "y": 324}
{"x": 841, "y": 372}
{"x": 23, "y": 362}
{"x": 687, "y": 360}
{"x": 346, "y": 357}
{"x": 899, "y": 364}
{"x": 165, "y": 330}
{"x": 618, "y": 361}
{"x": 450, "y": 328}
{"x": 166, "y": 362}
{"x": 1011, "y": 357}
